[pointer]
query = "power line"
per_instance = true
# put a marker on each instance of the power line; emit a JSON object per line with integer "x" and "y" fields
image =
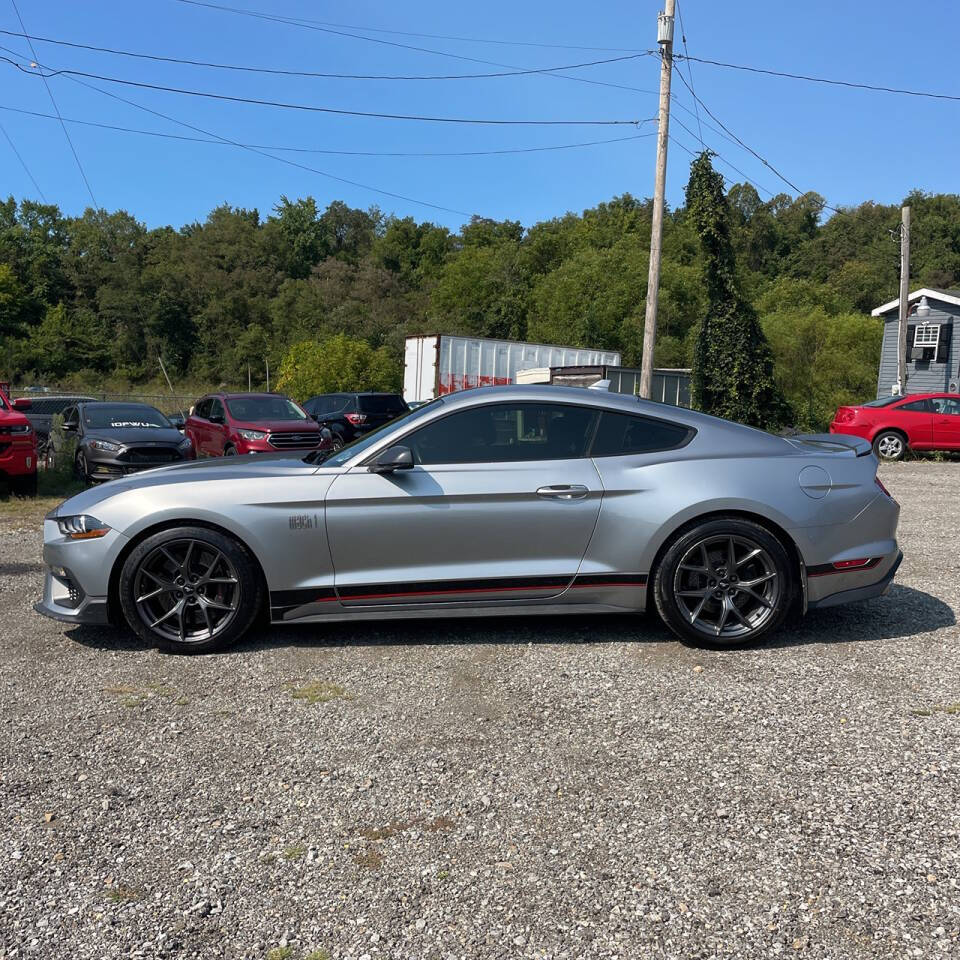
{"x": 315, "y": 109}
{"x": 66, "y": 133}
{"x": 340, "y": 153}
{"x": 23, "y": 163}
{"x": 832, "y": 82}
{"x": 748, "y": 148}
{"x": 258, "y": 151}
{"x": 313, "y": 74}
{"x": 309, "y": 25}
{"x": 683, "y": 37}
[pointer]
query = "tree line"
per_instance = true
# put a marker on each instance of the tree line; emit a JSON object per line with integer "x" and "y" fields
{"x": 96, "y": 298}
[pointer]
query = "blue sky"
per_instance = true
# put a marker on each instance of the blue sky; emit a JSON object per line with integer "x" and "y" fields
{"x": 849, "y": 145}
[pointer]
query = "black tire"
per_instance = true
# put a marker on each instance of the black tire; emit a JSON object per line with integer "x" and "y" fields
{"x": 337, "y": 440}
{"x": 758, "y": 594}
{"x": 24, "y": 486}
{"x": 230, "y": 451}
{"x": 188, "y": 625}
{"x": 80, "y": 468}
{"x": 890, "y": 446}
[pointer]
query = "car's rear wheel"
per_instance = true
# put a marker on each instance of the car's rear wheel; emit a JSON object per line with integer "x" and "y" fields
{"x": 190, "y": 589}
{"x": 724, "y": 583}
{"x": 81, "y": 469}
{"x": 890, "y": 445}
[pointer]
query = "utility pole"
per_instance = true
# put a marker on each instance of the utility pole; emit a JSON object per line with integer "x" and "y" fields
{"x": 665, "y": 39}
{"x": 904, "y": 305}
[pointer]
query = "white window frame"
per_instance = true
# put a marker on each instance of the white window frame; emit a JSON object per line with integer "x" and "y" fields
{"x": 928, "y": 335}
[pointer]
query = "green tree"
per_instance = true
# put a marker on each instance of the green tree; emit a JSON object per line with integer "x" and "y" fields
{"x": 732, "y": 364}
{"x": 338, "y": 363}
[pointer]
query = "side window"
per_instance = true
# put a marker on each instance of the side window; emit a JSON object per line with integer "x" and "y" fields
{"x": 622, "y": 434}
{"x": 216, "y": 409}
{"x": 202, "y": 409}
{"x": 70, "y": 413}
{"x": 505, "y": 433}
{"x": 40, "y": 407}
{"x": 947, "y": 405}
{"x": 917, "y": 406}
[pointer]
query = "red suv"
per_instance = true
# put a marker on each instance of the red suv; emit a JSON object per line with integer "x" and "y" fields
{"x": 226, "y": 424}
{"x": 18, "y": 447}
{"x": 918, "y": 421}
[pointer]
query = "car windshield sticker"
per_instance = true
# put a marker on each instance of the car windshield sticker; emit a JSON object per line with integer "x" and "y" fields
{"x": 132, "y": 423}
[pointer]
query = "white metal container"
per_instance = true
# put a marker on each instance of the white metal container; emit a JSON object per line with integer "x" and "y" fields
{"x": 438, "y": 364}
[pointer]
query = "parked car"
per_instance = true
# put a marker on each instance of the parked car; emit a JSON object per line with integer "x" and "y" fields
{"x": 44, "y": 409}
{"x": 227, "y": 424}
{"x": 18, "y": 446}
{"x": 351, "y": 415}
{"x": 114, "y": 439}
{"x": 918, "y": 421}
{"x": 504, "y": 500}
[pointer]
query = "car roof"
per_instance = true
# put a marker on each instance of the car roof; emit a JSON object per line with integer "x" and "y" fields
{"x": 116, "y": 403}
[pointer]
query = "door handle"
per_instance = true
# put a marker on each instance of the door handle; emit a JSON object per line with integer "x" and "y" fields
{"x": 563, "y": 491}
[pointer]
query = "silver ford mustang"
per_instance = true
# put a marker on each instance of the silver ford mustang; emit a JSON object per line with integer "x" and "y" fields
{"x": 503, "y": 500}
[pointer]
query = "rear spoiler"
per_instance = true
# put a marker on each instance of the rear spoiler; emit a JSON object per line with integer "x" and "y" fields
{"x": 834, "y": 443}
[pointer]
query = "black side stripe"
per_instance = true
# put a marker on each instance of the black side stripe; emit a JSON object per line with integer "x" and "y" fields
{"x": 281, "y": 600}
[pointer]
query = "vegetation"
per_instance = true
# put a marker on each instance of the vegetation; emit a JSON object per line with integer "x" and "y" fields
{"x": 732, "y": 361}
{"x": 91, "y": 301}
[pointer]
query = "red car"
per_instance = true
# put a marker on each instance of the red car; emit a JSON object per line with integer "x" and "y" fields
{"x": 226, "y": 424}
{"x": 918, "y": 421}
{"x": 18, "y": 446}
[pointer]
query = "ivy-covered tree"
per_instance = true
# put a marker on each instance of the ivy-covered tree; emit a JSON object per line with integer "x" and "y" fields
{"x": 732, "y": 362}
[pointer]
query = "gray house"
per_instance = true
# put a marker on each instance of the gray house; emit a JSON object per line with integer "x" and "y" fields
{"x": 933, "y": 342}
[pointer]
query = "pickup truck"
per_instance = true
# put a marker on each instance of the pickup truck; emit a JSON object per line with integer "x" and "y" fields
{"x": 18, "y": 447}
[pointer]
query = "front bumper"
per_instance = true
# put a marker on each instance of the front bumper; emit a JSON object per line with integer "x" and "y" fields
{"x": 867, "y": 591}
{"x": 102, "y": 465}
{"x": 17, "y": 459}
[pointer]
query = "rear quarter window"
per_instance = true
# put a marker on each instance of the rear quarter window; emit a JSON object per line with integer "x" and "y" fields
{"x": 623, "y": 434}
{"x": 387, "y": 403}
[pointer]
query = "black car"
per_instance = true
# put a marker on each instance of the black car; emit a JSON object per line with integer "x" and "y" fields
{"x": 351, "y": 415}
{"x": 43, "y": 410}
{"x": 114, "y": 439}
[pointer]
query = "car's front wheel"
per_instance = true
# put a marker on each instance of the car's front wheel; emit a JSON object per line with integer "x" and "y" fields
{"x": 190, "y": 589}
{"x": 890, "y": 445}
{"x": 726, "y": 582}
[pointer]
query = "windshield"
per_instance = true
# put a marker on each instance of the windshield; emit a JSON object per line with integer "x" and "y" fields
{"x": 124, "y": 415}
{"x": 252, "y": 409}
{"x": 884, "y": 401}
{"x": 369, "y": 439}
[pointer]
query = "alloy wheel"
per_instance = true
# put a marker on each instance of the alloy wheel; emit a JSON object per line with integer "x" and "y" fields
{"x": 187, "y": 591}
{"x": 890, "y": 447}
{"x": 727, "y": 587}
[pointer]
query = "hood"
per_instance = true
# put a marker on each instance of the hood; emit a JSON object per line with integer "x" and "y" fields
{"x": 14, "y": 418}
{"x": 265, "y": 467}
{"x": 279, "y": 426}
{"x": 136, "y": 435}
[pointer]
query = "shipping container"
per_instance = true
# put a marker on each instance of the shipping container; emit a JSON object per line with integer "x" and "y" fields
{"x": 670, "y": 385}
{"x": 435, "y": 365}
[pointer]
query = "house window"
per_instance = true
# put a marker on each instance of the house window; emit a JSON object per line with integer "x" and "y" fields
{"x": 926, "y": 337}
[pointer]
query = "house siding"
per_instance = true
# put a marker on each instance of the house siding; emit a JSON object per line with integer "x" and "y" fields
{"x": 922, "y": 377}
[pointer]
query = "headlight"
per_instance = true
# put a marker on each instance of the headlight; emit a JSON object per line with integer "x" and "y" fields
{"x": 105, "y": 445}
{"x": 252, "y": 434}
{"x": 21, "y": 429}
{"x": 185, "y": 443}
{"x": 82, "y": 527}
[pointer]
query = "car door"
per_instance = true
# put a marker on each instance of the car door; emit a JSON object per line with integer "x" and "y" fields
{"x": 915, "y": 418}
{"x": 499, "y": 506}
{"x": 946, "y": 423}
{"x": 217, "y": 428}
{"x": 197, "y": 425}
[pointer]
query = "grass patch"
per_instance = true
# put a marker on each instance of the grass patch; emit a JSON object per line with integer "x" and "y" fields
{"x": 369, "y": 859}
{"x": 280, "y": 953}
{"x": 122, "y": 894}
{"x": 318, "y": 691}
{"x": 133, "y": 696}
{"x": 294, "y": 852}
{"x": 950, "y": 709}
{"x": 320, "y": 954}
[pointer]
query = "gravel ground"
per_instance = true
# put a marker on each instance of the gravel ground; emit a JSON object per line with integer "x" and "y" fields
{"x": 518, "y": 788}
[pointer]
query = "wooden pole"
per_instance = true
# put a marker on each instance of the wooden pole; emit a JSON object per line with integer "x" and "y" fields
{"x": 904, "y": 304}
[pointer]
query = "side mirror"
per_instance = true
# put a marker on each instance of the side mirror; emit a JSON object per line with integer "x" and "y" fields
{"x": 393, "y": 458}
{"x": 178, "y": 421}
{"x": 22, "y": 403}
{"x": 216, "y": 418}
{"x": 70, "y": 426}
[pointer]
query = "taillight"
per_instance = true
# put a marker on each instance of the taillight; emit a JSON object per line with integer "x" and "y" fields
{"x": 845, "y": 415}
{"x": 357, "y": 418}
{"x": 851, "y": 564}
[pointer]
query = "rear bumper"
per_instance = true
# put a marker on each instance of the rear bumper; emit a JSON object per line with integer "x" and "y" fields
{"x": 867, "y": 591}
